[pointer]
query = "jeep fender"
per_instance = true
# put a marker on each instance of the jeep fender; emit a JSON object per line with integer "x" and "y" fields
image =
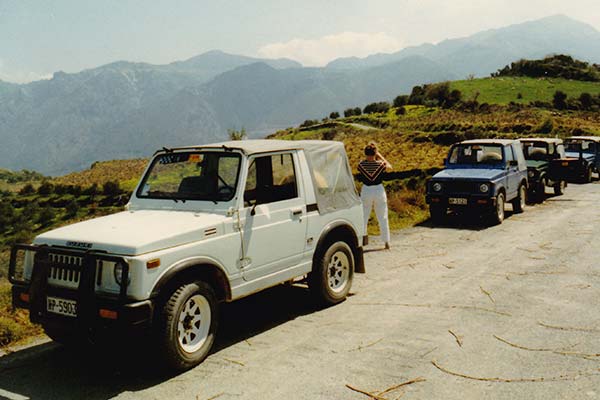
{"x": 202, "y": 268}
{"x": 342, "y": 230}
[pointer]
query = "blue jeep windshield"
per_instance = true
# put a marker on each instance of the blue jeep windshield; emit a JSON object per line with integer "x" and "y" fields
{"x": 476, "y": 154}
{"x": 196, "y": 175}
{"x": 586, "y": 146}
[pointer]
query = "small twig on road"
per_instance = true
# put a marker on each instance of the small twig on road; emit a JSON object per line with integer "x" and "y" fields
{"x": 456, "y": 337}
{"x": 487, "y": 294}
{"x": 367, "y": 345}
{"x": 396, "y": 387}
{"x": 587, "y": 356}
{"x": 514, "y": 380}
{"x": 429, "y": 352}
{"x": 525, "y": 249}
{"x": 248, "y": 342}
{"x": 448, "y": 266}
{"x": 234, "y": 361}
{"x": 568, "y": 328}
{"x": 451, "y": 306}
{"x": 371, "y": 395}
{"x": 211, "y": 398}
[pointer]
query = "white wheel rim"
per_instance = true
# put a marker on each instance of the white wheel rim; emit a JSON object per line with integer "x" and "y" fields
{"x": 338, "y": 271}
{"x": 500, "y": 207}
{"x": 194, "y": 323}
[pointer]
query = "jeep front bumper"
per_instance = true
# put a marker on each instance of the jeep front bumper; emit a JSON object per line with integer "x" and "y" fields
{"x": 472, "y": 201}
{"x": 92, "y": 308}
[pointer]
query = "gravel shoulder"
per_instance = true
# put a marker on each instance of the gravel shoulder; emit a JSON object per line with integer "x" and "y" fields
{"x": 506, "y": 312}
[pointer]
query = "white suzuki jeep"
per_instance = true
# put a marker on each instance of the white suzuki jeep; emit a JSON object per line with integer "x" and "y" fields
{"x": 205, "y": 225}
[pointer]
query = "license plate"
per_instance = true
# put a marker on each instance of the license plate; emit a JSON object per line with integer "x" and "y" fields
{"x": 60, "y": 306}
{"x": 457, "y": 201}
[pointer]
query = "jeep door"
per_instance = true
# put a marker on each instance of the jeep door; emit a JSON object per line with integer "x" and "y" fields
{"x": 275, "y": 236}
{"x": 511, "y": 179}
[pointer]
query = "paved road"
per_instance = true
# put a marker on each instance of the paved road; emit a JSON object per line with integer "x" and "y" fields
{"x": 515, "y": 306}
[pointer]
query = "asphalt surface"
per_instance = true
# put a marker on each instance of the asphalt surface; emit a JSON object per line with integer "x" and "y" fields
{"x": 504, "y": 312}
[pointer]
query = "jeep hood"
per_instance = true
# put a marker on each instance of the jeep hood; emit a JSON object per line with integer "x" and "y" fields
{"x": 134, "y": 232}
{"x": 537, "y": 164}
{"x": 469, "y": 173}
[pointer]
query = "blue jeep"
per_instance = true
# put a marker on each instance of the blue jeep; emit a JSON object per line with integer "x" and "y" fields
{"x": 481, "y": 175}
{"x": 582, "y": 157}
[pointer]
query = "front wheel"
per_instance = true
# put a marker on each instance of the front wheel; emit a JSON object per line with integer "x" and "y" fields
{"x": 188, "y": 325}
{"x": 519, "y": 203}
{"x": 559, "y": 188}
{"x": 497, "y": 214}
{"x": 332, "y": 274}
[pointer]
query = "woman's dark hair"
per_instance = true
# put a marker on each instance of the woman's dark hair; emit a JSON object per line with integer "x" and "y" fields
{"x": 371, "y": 149}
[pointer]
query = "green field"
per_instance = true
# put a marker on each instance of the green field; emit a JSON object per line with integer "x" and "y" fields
{"x": 503, "y": 90}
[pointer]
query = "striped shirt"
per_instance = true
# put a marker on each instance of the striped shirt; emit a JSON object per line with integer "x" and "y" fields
{"x": 371, "y": 172}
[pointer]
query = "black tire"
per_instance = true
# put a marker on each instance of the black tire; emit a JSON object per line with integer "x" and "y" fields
{"x": 559, "y": 188}
{"x": 497, "y": 213}
{"x": 177, "y": 352}
{"x": 333, "y": 270}
{"x": 519, "y": 202}
{"x": 587, "y": 178}
{"x": 438, "y": 213}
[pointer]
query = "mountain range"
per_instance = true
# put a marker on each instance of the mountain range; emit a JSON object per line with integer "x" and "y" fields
{"x": 127, "y": 110}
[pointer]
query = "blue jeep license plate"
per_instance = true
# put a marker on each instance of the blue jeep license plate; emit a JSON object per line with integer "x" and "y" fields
{"x": 457, "y": 201}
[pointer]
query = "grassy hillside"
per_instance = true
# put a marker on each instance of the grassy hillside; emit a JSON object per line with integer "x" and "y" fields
{"x": 414, "y": 138}
{"x": 505, "y": 89}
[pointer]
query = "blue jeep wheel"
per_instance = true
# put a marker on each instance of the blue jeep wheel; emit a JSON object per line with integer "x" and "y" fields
{"x": 519, "y": 202}
{"x": 497, "y": 214}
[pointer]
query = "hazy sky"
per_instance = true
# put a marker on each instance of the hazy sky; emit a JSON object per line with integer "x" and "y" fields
{"x": 43, "y": 36}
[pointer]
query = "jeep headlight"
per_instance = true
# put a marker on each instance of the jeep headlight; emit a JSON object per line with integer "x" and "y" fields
{"x": 118, "y": 273}
{"x": 530, "y": 173}
{"x": 484, "y": 188}
{"x": 437, "y": 187}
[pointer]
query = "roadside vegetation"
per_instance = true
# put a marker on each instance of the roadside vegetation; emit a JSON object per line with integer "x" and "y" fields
{"x": 413, "y": 131}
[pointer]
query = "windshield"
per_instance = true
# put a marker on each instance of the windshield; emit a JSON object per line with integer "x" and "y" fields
{"x": 483, "y": 154}
{"x": 574, "y": 145}
{"x": 536, "y": 151}
{"x": 209, "y": 175}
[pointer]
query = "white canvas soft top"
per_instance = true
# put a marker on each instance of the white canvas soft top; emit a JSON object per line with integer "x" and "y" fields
{"x": 330, "y": 172}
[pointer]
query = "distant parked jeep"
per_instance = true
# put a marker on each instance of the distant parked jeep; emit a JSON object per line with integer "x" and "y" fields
{"x": 205, "y": 225}
{"x": 582, "y": 157}
{"x": 544, "y": 166}
{"x": 481, "y": 175}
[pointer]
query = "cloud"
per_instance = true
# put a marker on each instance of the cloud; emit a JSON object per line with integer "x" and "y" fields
{"x": 318, "y": 52}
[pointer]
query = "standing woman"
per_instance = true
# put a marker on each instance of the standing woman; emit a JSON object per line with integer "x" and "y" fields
{"x": 372, "y": 194}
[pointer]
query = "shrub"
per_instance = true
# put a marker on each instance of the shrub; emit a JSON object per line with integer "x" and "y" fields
{"x": 45, "y": 188}
{"x": 111, "y": 188}
{"x": 334, "y": 115}
{"x": 380, "y": 107}
{"x": 559, "y": 100}
{"x": 27, "y": 190}
{"x": 46, "y": 216}
{"x": 586, "y": 100}
{"x": 400, "y": 110}
{"x": 547, "y": 126}
{"x": 400, "y": 101}
{"x": 308, "y": 122}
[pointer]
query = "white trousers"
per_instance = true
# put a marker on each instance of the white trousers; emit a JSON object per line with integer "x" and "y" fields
{"x": 375, "y": 196}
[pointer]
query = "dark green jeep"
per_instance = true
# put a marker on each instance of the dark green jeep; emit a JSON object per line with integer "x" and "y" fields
{"x": 544, "y": 167}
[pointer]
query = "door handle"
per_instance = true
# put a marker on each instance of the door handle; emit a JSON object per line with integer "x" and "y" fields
{"x": 296, "y": 211}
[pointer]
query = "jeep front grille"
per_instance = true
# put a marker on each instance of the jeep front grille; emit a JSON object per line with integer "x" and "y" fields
{"x": 65, "y": 271}
{"x": 461, "y": 187}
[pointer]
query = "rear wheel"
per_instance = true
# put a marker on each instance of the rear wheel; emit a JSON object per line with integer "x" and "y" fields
{"x": 519, "y": 203}
{"x": 559, "y": 188}
{"x": 497, "y": 214}
{"x": 332, "y": 274}
{"x": 188, "y": 325}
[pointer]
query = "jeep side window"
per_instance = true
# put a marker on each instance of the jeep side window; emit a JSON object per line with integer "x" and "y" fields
{"x": 270, "y": 179}
{"x": 560, "y": 151}
{"x": 508, "y": 150}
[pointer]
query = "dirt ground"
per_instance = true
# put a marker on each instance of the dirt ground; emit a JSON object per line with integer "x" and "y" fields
{"x": 506, "y": 312}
